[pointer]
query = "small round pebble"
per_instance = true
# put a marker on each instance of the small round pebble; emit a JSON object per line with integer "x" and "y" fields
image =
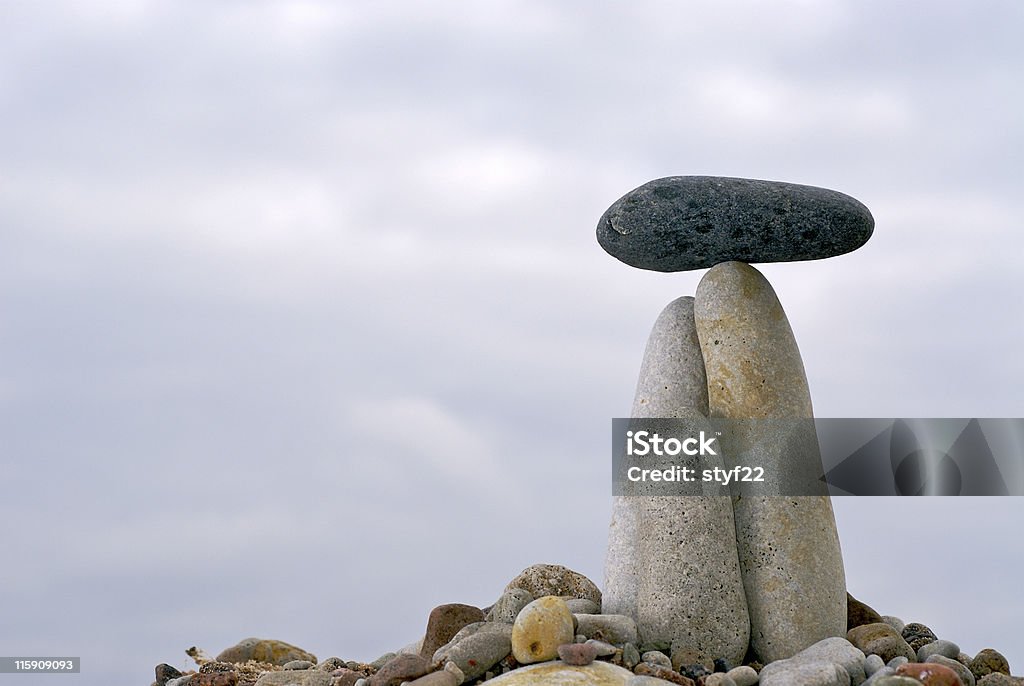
{"x": 897, "y": 661}
{"x": 989, "y": 661}
{"x": 743, "y": 675}
{"x": 298, "y": 664}
{"x": 577, "y": 654}
{"x": 930, "y": 674}
{"x": 603, "y": 649}
{"x": 895, "y": 622}
{"x": 917, "y": 635}
{"x": 938, "y": 647}
{"x": 961, "y": 670}
{"x": 719, "y": 679}
{"x": 656, "y": 657}
{"x": 896, "y": 680}
{"x": 873, "y": 663}
{"x": 453, "y": 668}
{"x": 630, "y": 656}
{"x": 694, "y": 671}
{"x": 722, "y": 665}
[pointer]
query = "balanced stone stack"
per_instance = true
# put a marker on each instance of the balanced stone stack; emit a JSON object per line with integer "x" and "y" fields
{"x": 710, "y": 576}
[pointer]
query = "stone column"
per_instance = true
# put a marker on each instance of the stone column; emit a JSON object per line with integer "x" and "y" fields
{"x": 672, "y": 561}
{"x": 790, "y": 560}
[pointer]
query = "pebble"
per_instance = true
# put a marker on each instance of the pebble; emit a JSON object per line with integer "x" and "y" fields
{"x": 989, "y": 661}
{"x": 438, "y": 678}
{"x": 215, "y": 679}
{"x": 345, "y": 677}
{"x": 719, "y": 679}
{"x": 917, "y": 635}
{"x": 872, "y": 663}
{"x": 834, "y": 651}
{"x": 930, "y": 674}
{"x": 966, "y": 677}
{"x": 540, "y": 628}
{"x": 656, "y": 657}
{"x": 298, "y": 664}
{"x": 164, "y": 673}
{"x": 894, "y": 680}
{"x": 478, "y": 651}
{"x": 1000, "y": 679}
{"x": 630, "y": 656}
{"x": 603, "y": 648}
{"x": 895, "y": 622}
{"x": 938, "y": 647}
{"x": 543, "y": 579}
{"x": 582, "y": 606}
{"x": 679, "y": 223}
{"x": 615, "y": 629}
{"x": 331, "y": 664}
{"x": 648, "y": 575}
{"x": 577, "y": 653}
{"x": 183, "y": 680}
{"x": 264, "y": 650}
{"x": 743, "y": 675}
{"x": 400, "y": 668}
{"x": 880, "y": 674}
{"x": 897, "y": 661}
{"x": 880, "y": 639}
{"x": 560, "y": 674}
{"x": 309, "y": 677}
{"x": 805, "y": 674}
{"x": 857, "y": 613}
{"x": 644, "y": 669}
{"x": 508, "y": 605}
{"x": 454, "y": 670}
{"x": 693, "y": 671}
{"x": 788, "y": 548}
{"x": 444, "y": 622}
{"x": 644, "y": 680}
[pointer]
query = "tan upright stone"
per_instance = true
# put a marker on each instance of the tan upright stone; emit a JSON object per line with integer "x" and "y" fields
{"x": 789, "y": 552}
{"x": 672, "y": 562}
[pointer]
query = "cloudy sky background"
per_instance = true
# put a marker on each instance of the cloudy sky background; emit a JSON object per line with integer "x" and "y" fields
{"x": 305, "y": 329}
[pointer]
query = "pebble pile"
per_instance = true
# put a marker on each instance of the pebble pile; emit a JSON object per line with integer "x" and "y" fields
{"x": 565, "y": 638}
{"x": 714, "y": 590}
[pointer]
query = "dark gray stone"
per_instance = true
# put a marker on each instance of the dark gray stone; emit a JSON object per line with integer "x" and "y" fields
{"x": 694, "y": 222}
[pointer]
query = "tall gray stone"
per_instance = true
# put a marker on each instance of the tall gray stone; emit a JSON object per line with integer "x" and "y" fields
{"x": 672, "y": 561}
{"x": 789, "y": 552}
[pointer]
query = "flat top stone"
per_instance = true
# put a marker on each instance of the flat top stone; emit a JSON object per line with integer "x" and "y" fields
{"x": 679, "y": 223}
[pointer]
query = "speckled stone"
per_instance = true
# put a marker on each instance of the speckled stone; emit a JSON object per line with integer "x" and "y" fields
{"x": 679, "y": 223}
{"x": 790, "y": 560}
{"x": 540, "y": 628}
{"x": 858, "y": 613}
{"x": 966, "y": 677}
{"x": 444, "y": 622}
{"x": 989, "y": 661}
{"x": 938, "y": 647}
{"x": 880, "y": 639}
{"x": 508, "y": 605}
{"x": 544, "y": 579}
{"x": 164, "y": 673}
{"x": 656, "y": 657}
{"x": 917, "y": 635}
{"x": 930, "y": 674}
{"x": 668, "y": 555}
{"x": 264, "y": 650}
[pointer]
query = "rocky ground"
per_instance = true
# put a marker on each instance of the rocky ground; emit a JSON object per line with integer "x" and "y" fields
{"x": 547, "y": 627}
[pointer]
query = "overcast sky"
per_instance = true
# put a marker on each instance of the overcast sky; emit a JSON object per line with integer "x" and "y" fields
{"x": 304, "y": 329}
